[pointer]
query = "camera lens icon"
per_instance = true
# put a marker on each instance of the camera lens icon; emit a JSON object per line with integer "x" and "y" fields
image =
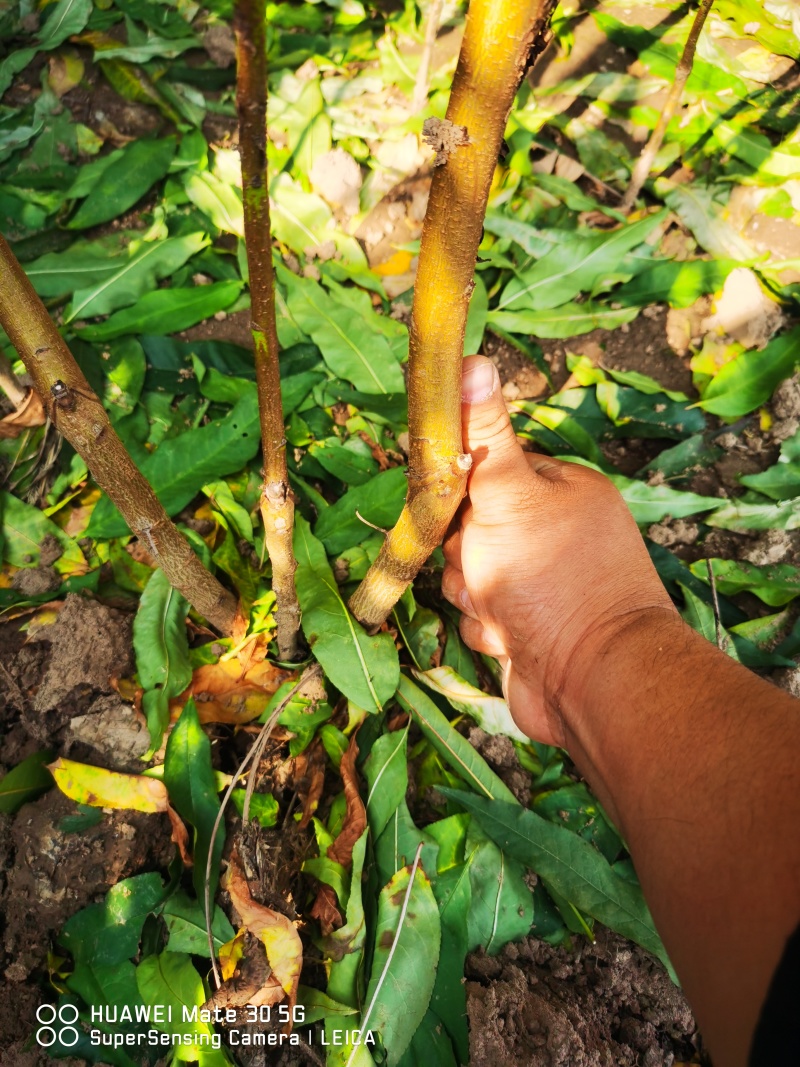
{"x": 66, "y": 1034}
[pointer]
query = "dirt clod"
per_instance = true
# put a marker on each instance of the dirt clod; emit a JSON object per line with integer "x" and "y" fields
{"x": 602, "y": 1004}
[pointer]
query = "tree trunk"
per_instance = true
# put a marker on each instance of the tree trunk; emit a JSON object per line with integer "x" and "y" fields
{"x": 80, "y": 416}
{"x": 500, "y": 39}
{"x": 277, "y": 505}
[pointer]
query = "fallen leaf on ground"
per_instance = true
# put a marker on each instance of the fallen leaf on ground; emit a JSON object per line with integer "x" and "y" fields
{"x": 108, "y": 789}
{"x": 278, "y": 935}
{"x": 224, "y": 692}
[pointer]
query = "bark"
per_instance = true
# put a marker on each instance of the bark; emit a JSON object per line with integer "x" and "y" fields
{"x": 499, "y": 40}
{"x": 277, "y": 505}
{"x": 682, "y": 72}
{"x": 79, "y": 415}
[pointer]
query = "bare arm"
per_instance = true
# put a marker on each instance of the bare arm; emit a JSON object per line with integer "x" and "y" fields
{"x": 694, "y": 757}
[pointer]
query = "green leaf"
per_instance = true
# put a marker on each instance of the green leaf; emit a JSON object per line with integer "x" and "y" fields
{"x": 125, "y": 369}
{"x": 83, "y": 265}
{"x": 182, "y": 465}
{"x": 575, "y": 868}
{"x": 675, "y": 282}
{"x": 430, "y": 1045}
{"x": 302, "y": 718}
{"x": 170, "y": 979}
{"x": 652, "y": 503}
{"x": 162, "y": 651}
{"x": 68, "y": 17}
{"x": 501, "y": 908}
{"x": 221, "y": 202}
{"x": 365, "y": 668}
{"x": 476, "y": 318}
{"x": 780, "y": 482}
{"x": 776, "y": 585}
{"x": 701, "y": 213}
{"x": 351, "y": 350}
{"x": 186, "y": 922}
{"x": 402, "y": 972}
{"x": 345, "y": 946}
{"x": 28, "y": 780}
{"x": 574, "y": 265}
{"x": 454, "y": 749}
{"x": 148, "y": 263}
{"x": 351, "y": 462}
{"x": 318, "y": 1005}
{"x": 25, "y": 528}
{"x": 453, "y": 892}
{"x": 379, "y": 501}
{"x": 263, "y": 807}
{"x": 743, "y": 515}
{"x": 458, "y": 656}
{"x": 166, "y": 311}
{"x": 303, "y": 220}
{"x": 386, "y": 771}
{"x": 107, "y": 934}
{"x": 490, "y": 713}
{"x": 749, "y": 380}
{"x": 192, "y": 789}
{"x": 398, "y": 844}
{"x": 569, "y": 320}
{"x": 573, "y": 806}
{"x": 700, "y": 616}
{"x": 126, "y": 180}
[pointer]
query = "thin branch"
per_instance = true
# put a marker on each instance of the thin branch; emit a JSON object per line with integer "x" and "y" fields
{"x": 79, "y": 415}
{"x": 277, "y": 505}
{"x": 682, "y": 72}
{"x": 432, "y": 21}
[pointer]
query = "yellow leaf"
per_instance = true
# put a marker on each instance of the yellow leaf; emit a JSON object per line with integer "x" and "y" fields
{"x": 108, "y": 789}
{"x": 230, "y": 954}
{"x": 399, "y": 263}
{"x": 275, "y": 931}
{"x": 225, "y": 692}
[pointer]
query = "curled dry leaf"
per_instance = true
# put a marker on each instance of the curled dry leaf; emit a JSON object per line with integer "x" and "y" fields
{"x": 247, "y": 977}
{"x": 309, "y": 779}
{"x": 30, "y": 413}
{"x": 325, "y": 908}
{"x": 225, "y": 692}
{"x": 278, "y": 935}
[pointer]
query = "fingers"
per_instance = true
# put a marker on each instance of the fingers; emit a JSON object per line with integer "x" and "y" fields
{"x": 496, "y": 453}
{"x": 454, "y": 590}
{"x": 480, "y": 638}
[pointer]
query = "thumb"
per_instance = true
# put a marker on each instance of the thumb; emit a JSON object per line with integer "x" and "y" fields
{"x": 488, "y": 434}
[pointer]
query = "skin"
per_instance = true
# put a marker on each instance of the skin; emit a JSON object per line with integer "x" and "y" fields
{"x": 693, "y": 756}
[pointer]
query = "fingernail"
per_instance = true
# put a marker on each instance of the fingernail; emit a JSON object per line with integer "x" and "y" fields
{"x": 478, "y": 383}
{"x": 466, "y": 602}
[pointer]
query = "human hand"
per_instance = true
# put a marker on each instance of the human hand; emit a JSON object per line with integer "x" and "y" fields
{"x": 544, "y": 560}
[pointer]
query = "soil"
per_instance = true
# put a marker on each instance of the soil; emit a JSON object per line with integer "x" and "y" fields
{"x": 604, "y": 1004}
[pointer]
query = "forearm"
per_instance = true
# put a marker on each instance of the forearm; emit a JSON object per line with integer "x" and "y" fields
{"x": 671, "y": 733}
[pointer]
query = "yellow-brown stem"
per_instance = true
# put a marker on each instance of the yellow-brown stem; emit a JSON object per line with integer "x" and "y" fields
{"x": 277, "y": 507}
{"x": 682, "y": 72}
{"x": 81, "y": 418}
{"x": 499, "y": 39}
